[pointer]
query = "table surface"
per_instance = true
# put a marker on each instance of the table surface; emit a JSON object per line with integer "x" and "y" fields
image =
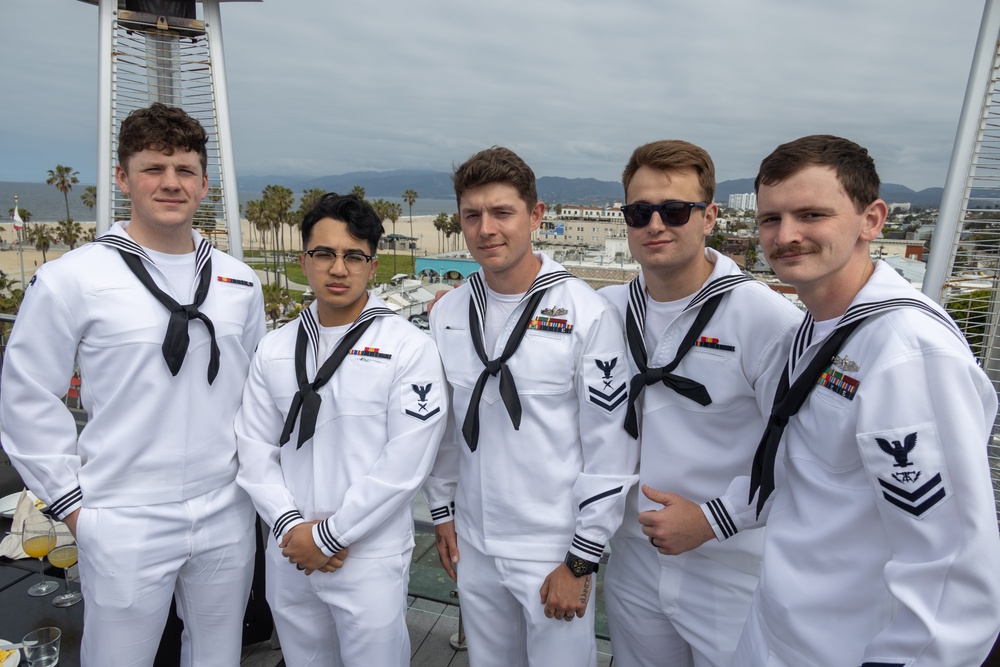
{"x": 20, "y": 613}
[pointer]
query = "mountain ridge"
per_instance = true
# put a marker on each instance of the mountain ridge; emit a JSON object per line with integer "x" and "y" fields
{"x": 551, "y": 189}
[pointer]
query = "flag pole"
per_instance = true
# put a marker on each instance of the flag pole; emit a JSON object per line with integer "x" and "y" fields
{"x": 18, "y": 224}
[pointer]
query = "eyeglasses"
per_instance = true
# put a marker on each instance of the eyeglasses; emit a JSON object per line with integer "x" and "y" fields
{"x": 323, "y": 259}
{"x": 672, "y": 213}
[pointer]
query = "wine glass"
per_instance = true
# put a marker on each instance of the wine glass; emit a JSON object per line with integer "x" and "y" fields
{"x": 38, "y": 537}
{"x": 65, "y": 557}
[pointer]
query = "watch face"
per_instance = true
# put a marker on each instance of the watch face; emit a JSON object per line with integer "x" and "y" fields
{"x": 579, "y": 567}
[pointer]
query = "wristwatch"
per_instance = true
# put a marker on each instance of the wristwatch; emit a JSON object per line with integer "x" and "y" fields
{"x": 578, "y": 566}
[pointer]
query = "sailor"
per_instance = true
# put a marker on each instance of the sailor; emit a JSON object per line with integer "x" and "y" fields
{"x": 162, "y": 327}
{"x": 342, "y": 415}
{"x": 872, "y": 472}
{"x": 705, "y": 353}
{"x": 531, "y": 479}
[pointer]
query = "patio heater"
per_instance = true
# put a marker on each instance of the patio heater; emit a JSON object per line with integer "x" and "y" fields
{"x": 160, "y": 51}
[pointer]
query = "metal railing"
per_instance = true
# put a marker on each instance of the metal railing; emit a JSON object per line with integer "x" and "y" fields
{"x": 963, "y": 272}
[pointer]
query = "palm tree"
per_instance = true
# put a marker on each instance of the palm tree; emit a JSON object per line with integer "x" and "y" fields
{"x": 209, "y": 209}
{"x": 89, "y": 197}
{"x": 42, "y": 237}
{"x": 454, "y": 227}
{"x": 393, "y": 211}
{"x": 358, "y": 192}
{"x": 276, "y": 301}
{"x": 278, "y": 208}
{"x": 64, "y": 178}
{"x": 255, "y": 216}
{"x": 10, "y": 296}
{"x": 6, "y": 282}
{"x": 750, "y": 255}
{"x": 440, "y": 224}
{"x": 69, "y": 232}
{"x": 307, "y": 201}
{"x": 409, "y": 196}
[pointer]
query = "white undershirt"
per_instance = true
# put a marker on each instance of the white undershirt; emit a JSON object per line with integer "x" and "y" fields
{"x": 498, "y": 309}
{"x": 180, "y": 273}
{"x": 329, "y": 339}
{"x": 823, "y": 329}
{"x": 659, "y": 316}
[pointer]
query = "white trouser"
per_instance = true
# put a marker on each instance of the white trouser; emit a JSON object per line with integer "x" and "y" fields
{"x": 505, "y": 622}
{"x": 354, "y": 617}
{"x": 673, "y": 611}
{"x": 754, "y": 649}
{"x": 134, "y": 559}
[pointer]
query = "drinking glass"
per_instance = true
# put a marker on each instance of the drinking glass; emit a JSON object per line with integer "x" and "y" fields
{"x": 38, "y": 537}
{"x": 44, "y": 651}
{"x": 65, "y": 557}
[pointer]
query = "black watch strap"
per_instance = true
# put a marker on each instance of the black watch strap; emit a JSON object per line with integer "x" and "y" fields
{"x": 580, "y": 567}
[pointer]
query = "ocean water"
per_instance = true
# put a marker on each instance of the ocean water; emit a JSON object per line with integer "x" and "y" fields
{"x": 47, "y": 205}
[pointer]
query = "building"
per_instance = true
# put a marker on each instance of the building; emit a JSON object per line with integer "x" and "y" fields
{"x": 746, "y": 201}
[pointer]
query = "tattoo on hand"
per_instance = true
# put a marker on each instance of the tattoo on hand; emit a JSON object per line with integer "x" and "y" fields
{"x": 586, "y": 590}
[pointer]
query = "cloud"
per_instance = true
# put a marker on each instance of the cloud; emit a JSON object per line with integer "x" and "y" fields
{"x": 322, "y": 88}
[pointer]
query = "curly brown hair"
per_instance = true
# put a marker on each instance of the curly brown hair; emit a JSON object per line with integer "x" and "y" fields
{"x": 496, "y": 165}
{"x": 161, "y": 128}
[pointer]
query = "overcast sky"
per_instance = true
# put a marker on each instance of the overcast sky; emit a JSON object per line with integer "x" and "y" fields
{"x": 322, "y": 87}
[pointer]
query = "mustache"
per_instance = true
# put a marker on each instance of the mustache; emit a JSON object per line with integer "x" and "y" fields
{"x": 793, "y": 249}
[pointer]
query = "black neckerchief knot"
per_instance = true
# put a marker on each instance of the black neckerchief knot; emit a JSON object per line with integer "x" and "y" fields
{"x": 492, "y": 367}
{"x": 176, "y": 340}
{"x": 646, "y": 376}
{"x": 306, "y": 401}
{"x": 508, "y": 389}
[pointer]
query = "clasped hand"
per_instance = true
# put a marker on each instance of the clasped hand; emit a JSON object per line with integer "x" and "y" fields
{"x": 299, "y": 548}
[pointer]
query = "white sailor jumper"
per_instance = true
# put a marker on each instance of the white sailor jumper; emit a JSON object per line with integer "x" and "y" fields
{"x": 881, "y": 538}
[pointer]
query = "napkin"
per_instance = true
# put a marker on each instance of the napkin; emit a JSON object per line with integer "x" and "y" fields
{"x": 11, "y": 544}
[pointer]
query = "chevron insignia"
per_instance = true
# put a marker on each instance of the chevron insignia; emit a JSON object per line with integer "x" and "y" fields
{"x": 907, "y": 468}
{"x": 917, "y": 501}
{"x": 419, "y": 400}
{"x": 608, "y": 400}
{"x": 602, "y": 388}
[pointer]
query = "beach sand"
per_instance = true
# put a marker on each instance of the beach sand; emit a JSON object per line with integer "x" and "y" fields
{"x": 428, "y": 240}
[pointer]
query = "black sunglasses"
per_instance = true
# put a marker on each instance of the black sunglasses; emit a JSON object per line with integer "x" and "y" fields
{"x": 672, "y": 213}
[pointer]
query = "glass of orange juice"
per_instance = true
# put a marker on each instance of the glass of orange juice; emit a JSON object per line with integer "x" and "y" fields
{"x": 65, "y": 557}
{"x": 38, "y": 537}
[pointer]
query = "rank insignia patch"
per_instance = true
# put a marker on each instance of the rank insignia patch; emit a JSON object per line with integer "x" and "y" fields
{"x": 845, "y": 363}
{"x": 714, "y": 344}
{"x": 550, "y": 324}
{"x": 371, "y": 352}
{"x": 603, "y": 388}
{"x": 906, "y": 467}
{"x": 837, "y": 382}
{"x": 554, "y": 311}
{"x": 420, "y": 400}
{"x": 234, "y": 281}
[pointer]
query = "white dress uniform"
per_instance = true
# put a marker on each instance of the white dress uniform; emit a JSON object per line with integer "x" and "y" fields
{"x": 154, "y": 469}
{"x": 525, "y": 497}
{"x": 377, "y": 433}
{"x": 690, "y": 609}
{"x": 881, "y": 544}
